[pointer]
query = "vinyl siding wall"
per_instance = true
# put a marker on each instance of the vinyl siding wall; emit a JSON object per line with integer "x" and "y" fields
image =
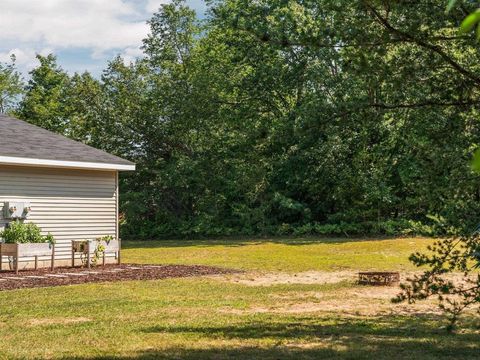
{"x": 70, "y": 204}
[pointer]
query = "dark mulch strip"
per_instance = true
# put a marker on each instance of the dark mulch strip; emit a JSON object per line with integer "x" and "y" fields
{"x": 105, "y": 274}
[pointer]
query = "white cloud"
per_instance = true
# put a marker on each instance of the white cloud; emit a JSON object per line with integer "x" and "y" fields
{"x": 153, "y": 5}
{"x": 85, "y": 34}
{"x": 99, "y": 25}
{"x": 25, "y": 58}
{"x": 131, "y": 54}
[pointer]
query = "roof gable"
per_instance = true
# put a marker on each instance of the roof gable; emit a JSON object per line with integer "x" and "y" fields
{"x": 26, "y": 144}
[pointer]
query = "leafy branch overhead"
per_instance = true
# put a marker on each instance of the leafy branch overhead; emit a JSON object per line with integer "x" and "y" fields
{"x": 452, "y": 276}
{"x": 471, "y": 22}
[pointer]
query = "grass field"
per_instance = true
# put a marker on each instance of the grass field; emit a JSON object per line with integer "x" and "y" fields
{"x": 295, "y": 300}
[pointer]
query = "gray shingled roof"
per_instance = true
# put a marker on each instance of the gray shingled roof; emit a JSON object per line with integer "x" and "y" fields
{"x": 21, "y": 139}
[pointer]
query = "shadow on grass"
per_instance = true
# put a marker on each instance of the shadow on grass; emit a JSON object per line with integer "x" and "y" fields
{"x": 236, "y": 242}
{"x": 385, "y": 337}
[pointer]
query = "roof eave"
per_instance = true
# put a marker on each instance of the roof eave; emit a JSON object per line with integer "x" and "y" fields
{"x": 11, "y": 160}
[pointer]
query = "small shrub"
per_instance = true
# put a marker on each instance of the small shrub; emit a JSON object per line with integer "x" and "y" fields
{"x": 398, "y": 227}
{"x": 97, "y": 252}
{"x": 19, "y": 233}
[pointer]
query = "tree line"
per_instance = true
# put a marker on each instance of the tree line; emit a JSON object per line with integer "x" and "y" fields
{"x": 279, "y": 117}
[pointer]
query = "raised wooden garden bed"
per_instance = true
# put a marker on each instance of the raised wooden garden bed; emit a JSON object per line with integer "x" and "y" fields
{"x": 87, "y": 249}
{"x": 34, "y": 250}
{"x": 378, "y": 278}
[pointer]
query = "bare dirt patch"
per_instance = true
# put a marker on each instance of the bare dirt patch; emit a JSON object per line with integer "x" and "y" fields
{"x": 347, "y": 307}
{"x": 307, "y": 277}
{"x": 109, "y": 273}
{"x": 57, "y": 321}
{"x": 313, "y": 277}
{"x": 353, "y": 300}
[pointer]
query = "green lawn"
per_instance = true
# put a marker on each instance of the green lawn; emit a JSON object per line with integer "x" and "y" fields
{"x": 286, "y": 255}
{"x": 226, "y": 318}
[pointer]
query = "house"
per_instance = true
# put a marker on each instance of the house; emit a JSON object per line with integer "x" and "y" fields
{"x": 71, "y": 189}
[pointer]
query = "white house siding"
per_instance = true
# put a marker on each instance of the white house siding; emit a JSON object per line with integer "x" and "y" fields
{"x": 69, "y": 204}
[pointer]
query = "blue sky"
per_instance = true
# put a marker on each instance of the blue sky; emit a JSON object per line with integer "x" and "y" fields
{"x": 84, "y": 34}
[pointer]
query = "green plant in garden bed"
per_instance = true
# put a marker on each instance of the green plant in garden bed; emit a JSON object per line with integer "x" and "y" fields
{"x": 18, "y": 232}
{"x": 98, "y": 252}
{"x": 100, "y": 248}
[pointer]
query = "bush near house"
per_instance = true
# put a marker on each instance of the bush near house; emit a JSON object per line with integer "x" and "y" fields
{"x": 18, "y": 232}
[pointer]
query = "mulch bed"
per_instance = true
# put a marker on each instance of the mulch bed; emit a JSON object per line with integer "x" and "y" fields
{"x": 110, "y": 273}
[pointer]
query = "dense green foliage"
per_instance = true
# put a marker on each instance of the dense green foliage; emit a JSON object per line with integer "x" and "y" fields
{"x": 460, "y": 254}
{"x": 11, "y": 86}
{"x": 18, "y": 232}
{"x": 279, "y": 117}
